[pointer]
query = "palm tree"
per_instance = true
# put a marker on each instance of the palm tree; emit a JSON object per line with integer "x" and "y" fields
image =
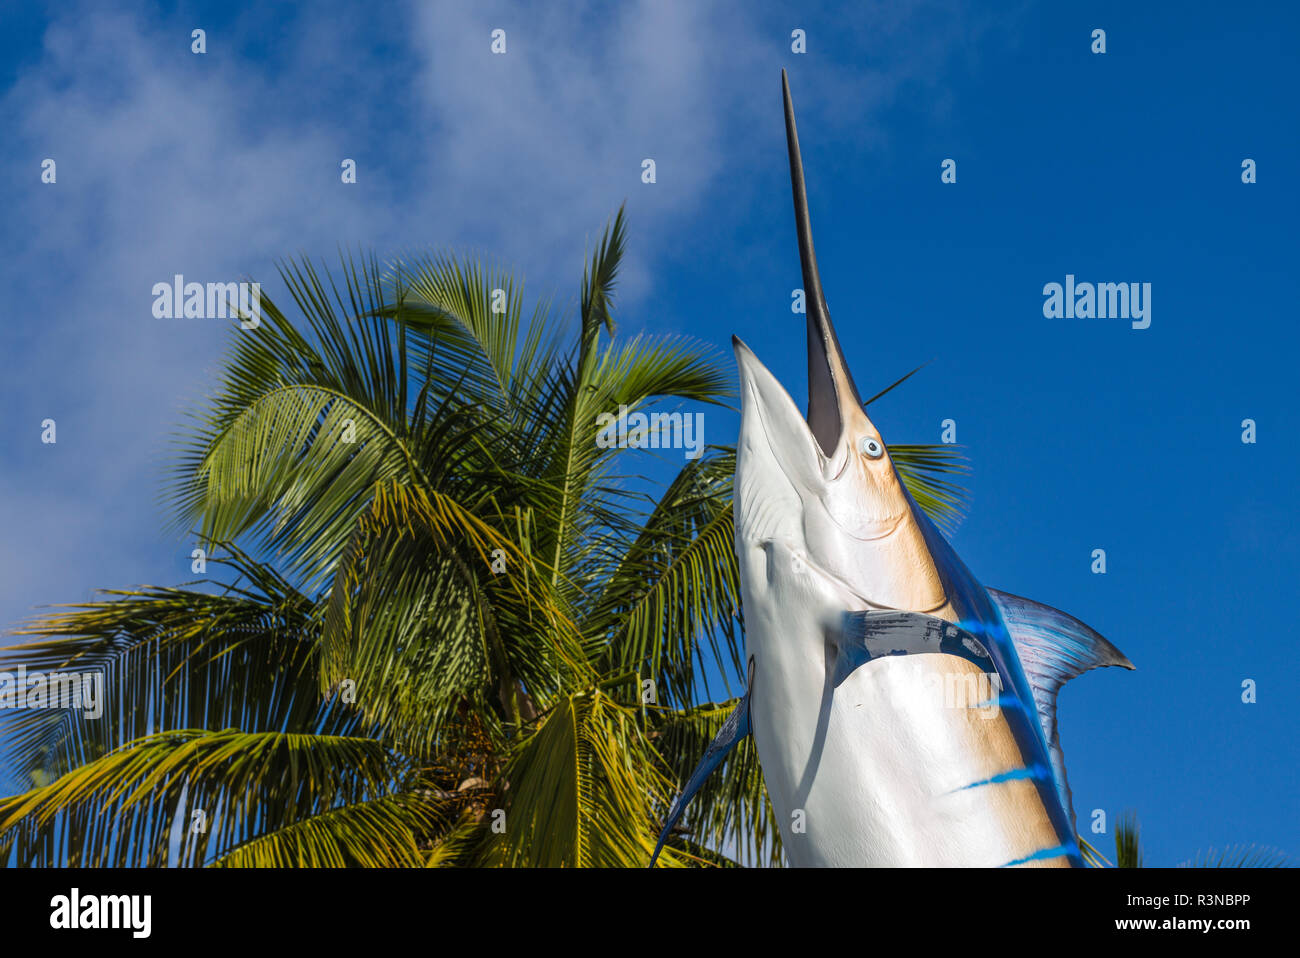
{"x": 1128, "y": 851}
{"x": 456, "y": 629}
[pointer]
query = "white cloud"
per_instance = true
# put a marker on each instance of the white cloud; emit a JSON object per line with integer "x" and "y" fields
{"x": 213, "y": 166}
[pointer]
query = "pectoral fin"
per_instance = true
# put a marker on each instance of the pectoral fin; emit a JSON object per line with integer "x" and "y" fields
{"x": 1053, "y": 647}
{"x": 735, "y": 728}
{"x": 871, "y": 635}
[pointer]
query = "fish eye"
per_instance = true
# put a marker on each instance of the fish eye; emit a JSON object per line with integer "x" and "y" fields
{"x": 871, "y": 448}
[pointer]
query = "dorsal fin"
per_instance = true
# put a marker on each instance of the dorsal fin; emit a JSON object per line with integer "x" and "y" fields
{"x": 1053, "y": 647}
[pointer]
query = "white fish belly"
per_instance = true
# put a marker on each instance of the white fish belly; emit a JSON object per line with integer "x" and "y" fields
{"x": 895, "y": 772}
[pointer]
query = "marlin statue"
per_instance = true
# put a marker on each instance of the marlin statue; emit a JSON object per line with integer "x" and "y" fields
{"x": 904, "y": 714}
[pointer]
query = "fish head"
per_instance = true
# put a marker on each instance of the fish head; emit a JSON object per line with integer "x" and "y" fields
{"x": 818, "y": 495}
{"x": 831, "y": 507}
{"x": 835, "y": 460}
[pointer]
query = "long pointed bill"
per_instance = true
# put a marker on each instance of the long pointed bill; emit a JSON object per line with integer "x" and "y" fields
{"x": 832, "y": 394}
{"x": 824, "y": 488}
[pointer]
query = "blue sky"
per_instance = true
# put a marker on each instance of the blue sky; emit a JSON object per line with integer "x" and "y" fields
{"x": 1083, "y": 434}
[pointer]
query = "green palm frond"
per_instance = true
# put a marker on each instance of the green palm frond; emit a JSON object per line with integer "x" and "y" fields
{"x": 1128, "y": 848}
{"x": 676, "y": 588}
{"x": 301, "y": 460}
{"x": 375, "y": 833}
{"x": 457, "y": 845}
{"x": 1091, "y": 856}
{"x": 1128, "y": 844}
{"x": 141, "y": 804}
{"x": 466, "y": 318}
{"x": 243, "y": 656}
{"x": 1239, "y": 856}
{"x": 584, "y": 789}
{"x": 599, "y": 278}
{"x": 646, "y": 368}
{"x": 434, "y": 610}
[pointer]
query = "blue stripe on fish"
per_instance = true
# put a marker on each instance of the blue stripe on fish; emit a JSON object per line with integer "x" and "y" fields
{"x": 1070, "y": 851}
{"x": 979, "y": 615}
{"x": 1006, "y": 700}
{"x": 1011, "y": 775}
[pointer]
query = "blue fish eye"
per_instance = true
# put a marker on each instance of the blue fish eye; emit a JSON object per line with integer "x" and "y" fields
{"x": 871, "y": 448}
